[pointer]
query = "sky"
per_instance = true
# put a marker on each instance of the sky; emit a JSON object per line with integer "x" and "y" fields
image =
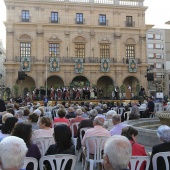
{"x": 157, "y": 14}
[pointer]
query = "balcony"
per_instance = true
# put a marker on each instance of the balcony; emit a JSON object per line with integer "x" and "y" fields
{"x": 130, "y": 24}
{"x": 24, "y": 19}
{"x": 126, "y": 61}
{"x": 80, "y": 22}
{"x": 54, "y": 21}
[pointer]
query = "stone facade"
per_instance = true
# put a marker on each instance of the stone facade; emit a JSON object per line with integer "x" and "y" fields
{"x": 39, "y": 30}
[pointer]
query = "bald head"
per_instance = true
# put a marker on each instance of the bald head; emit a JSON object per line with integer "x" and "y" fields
{"x": 98, "y": 121}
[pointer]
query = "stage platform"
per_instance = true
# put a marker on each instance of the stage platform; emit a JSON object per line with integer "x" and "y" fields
{"x": 95, "y": 101}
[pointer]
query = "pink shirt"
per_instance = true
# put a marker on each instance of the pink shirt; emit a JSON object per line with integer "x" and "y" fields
{"x": 43, "y": 133}
{"x": 96, "y": 131}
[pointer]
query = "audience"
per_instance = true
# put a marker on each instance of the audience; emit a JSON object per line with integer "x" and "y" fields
{"x": 45, "y": 129}
{"x": 70, "y": 113}
{"x": 117, "y": 153}
{"x": 135, "y": 113}
{"x": 61, "y": 117}
{"x": 8, "y": 127}
{"x": 63, "y": 145}
{"x": 33, "y": 119}
{"x": 24, "y": 131}
{"x": 163, "y": 134}
{"x": 118, "y": 126}
{"x": 98, "y": 130}
{"x": 12, "y": 153}
{"x": 137, "y": 149}
{"x": 85, "y": 124}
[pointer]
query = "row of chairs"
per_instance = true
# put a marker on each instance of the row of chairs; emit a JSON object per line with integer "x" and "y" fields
{"x": 58, "y": 162}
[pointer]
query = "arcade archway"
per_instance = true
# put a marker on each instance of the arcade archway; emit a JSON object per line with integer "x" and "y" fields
{"x": 25, "y": 85}
{"x": 80, "y": 81}
{"x": 105, "y": 82}
{"x": 54, "y": 81}
{"x": 130, "y": 84}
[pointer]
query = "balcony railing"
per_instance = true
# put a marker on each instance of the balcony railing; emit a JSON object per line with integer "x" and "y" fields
{"x": 80, "y": 22}
{"x": 24, "y": 19}
{"x": 126, "y": 61}
{"x": 55, "y": 21}
{"x": 130, "y": 24}
{"x": 113, "y": 2}
{"x": 66, "y": 59}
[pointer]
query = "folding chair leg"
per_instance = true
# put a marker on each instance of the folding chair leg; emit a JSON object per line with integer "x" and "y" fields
{"x": 91, "y": 165}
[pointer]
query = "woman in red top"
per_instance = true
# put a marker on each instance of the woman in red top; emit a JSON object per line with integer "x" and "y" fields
{"x": 137, "y": 149}
{"x": 61, "y": 117}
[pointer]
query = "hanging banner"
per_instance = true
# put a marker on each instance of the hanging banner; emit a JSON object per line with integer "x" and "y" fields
{"x": 26, "y": 63}
{"x": 105, "y": 65}
{"x": 79, "y": 65}
{"x": 54, "y": 64}
{"x": 132, "y": 65}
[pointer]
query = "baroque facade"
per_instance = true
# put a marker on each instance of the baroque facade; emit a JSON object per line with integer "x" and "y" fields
{"x": 95, "y": 31}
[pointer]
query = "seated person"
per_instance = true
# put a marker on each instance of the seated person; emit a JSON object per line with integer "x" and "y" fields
{"x": 135, "y": 114}
{"x": 8, "y": 127}
{"x": 150, "y": 108}
{"x": 122, "y": 147}
{"x": 163, "y": 134}
{"x": 61, "y": 117}
{"x": 63, "y": 145}
{"x": 24, "y": 131}
{"x": 137, "y": 149}
{"x": 12, "y": 153}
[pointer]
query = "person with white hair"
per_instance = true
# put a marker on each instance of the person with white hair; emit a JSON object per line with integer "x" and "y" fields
{"x": 163, "y": 134}
{"x": 98, "y": 130}
{"x": 12, "y": 153}
{"x": 117, "y": 153}
{"x": 108, "y": 124}
{"x": 79, "y": 118}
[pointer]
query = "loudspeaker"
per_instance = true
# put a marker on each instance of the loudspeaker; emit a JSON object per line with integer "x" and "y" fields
{"x": 21, "y": 75}
{"x": 150, "y": 76}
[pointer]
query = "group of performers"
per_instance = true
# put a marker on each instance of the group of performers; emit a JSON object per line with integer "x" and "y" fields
{"x": 63, "y": 93}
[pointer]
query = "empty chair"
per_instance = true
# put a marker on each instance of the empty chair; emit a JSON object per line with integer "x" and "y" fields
{"x": 32, "y": 160}
{"x": 58, "y": 162}
{"x": 165, "y": 156}
{"x": 98, "y": 143}
{"x": 120, "y": 110}
{"x": 137, "y": 161}
{"x": 126, "y": 115}
{"x": 43, "y": 143}
{"x": 73, "y": 125}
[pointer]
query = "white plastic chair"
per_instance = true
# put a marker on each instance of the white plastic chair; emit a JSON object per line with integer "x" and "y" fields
{"x": 43, "y": 143}
{"x": 136, "y": 162}
{"x": 126, "y": 115}
{"x": 28, "y": 160}
{"x": 59, "y": 123}
{"x": 98, "y": 143}
{"x": 82, "y": 131}
{"x": 120, "y": 110}
{"x": 164, "y": 155}
{"x": 58, "y": 162}
{"x": 72, "y": 132}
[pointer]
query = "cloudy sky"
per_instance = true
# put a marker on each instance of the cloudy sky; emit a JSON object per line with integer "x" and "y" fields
{"x": 157, "y": 14}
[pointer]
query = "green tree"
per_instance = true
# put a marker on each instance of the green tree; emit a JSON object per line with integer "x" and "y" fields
{"x": 15, "y": 89}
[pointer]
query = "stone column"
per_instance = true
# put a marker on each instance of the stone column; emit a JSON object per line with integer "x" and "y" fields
{"x": 117, "y": 37}
{"x": 10, "y": 44}
{"x": 40, "y": 50}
